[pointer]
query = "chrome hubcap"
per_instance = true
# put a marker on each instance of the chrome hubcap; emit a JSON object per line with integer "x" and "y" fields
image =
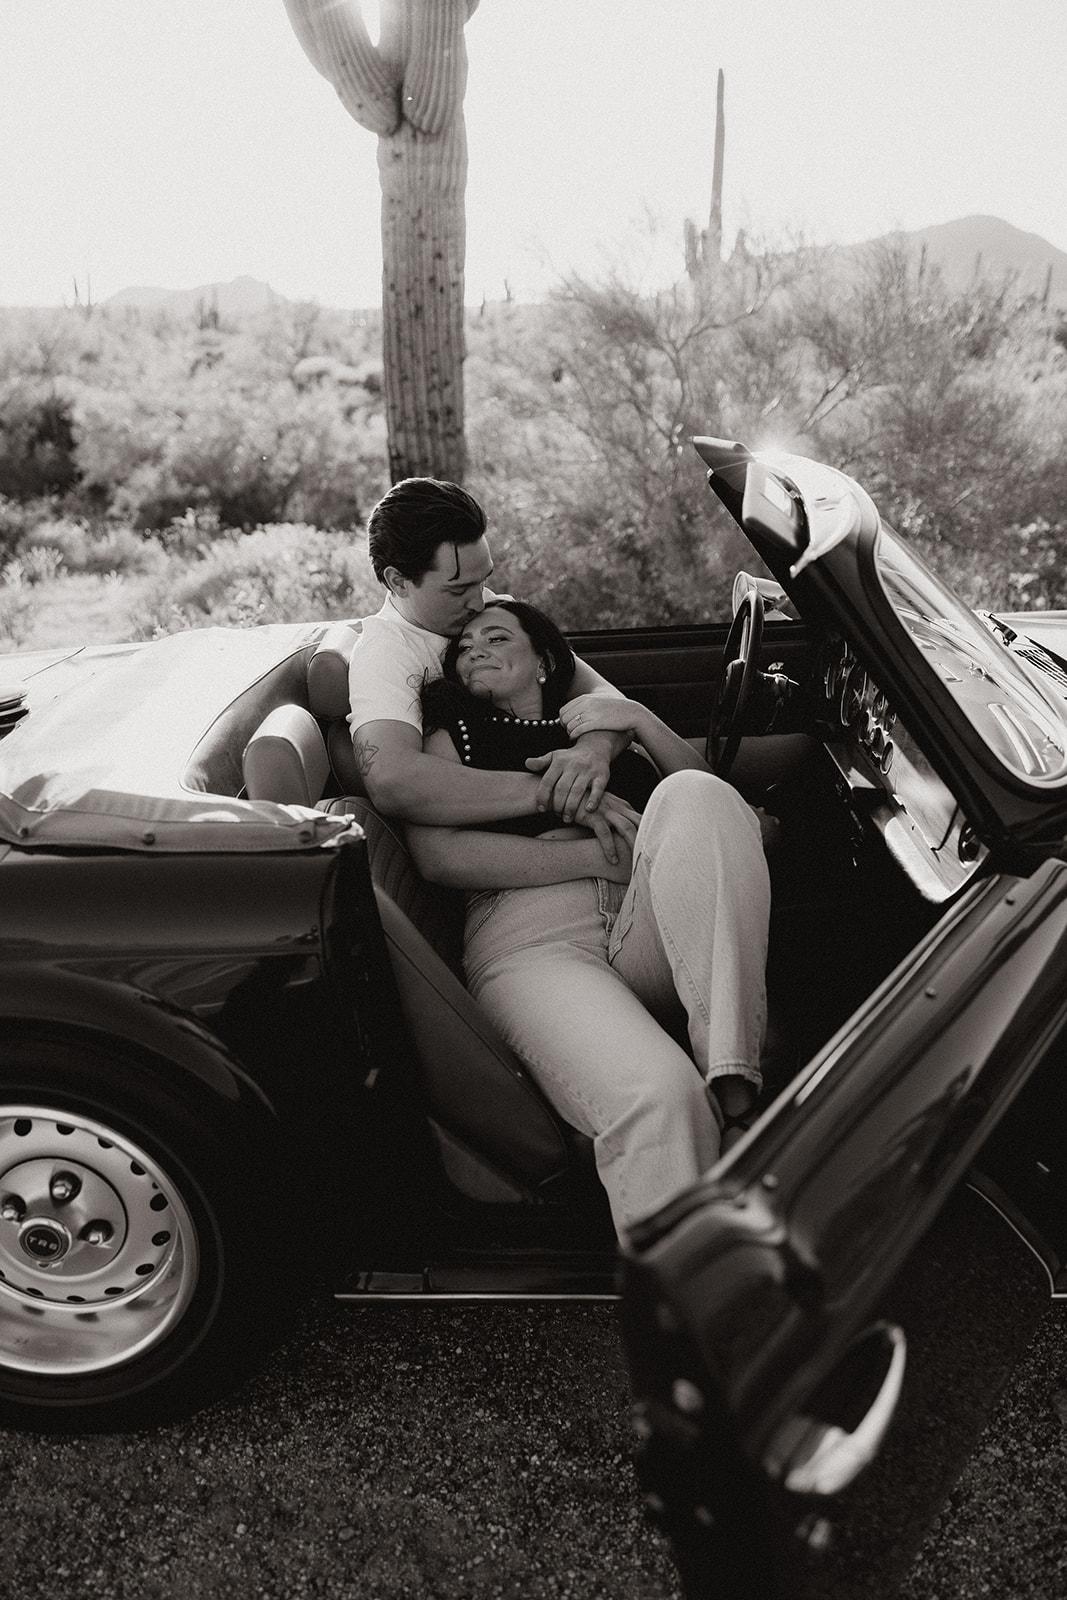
{"x": 98, "y": 1255}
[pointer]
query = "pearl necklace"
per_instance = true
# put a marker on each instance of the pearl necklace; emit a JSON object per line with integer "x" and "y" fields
{"x": 518, "y": 722}
{"x": 526, "y": 722}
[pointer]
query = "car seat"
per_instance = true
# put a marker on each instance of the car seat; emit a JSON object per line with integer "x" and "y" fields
{"x": 285, "y": 759}
{"x": 499, "y": 1139}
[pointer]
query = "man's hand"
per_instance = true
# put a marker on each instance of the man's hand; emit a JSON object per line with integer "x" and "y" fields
{"x": 572, "y": 778}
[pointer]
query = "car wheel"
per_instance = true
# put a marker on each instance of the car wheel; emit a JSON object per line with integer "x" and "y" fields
{"x": 130, "y": 1278}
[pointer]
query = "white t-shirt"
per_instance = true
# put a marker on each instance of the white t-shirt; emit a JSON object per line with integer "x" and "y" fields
{"x": 391, "y": 661}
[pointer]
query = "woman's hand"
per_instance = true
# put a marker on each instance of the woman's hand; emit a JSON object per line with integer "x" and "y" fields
{"x": 618, "y": 870}
{"x": 616, "y": 831}
{"x": 611, "y": 713}
{"x": 615, "y": 824}
{"x": 607, "y": 715}
{"x": 621, "y": 869}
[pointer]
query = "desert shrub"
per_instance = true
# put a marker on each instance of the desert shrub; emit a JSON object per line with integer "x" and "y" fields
{"x": 252, "y": 459}
{"x": 268, "y": 347}
{"x": 123, "y": 438}
{"x": 42, "y": 346}
{"x": 602, "y": 504}
{"x": 37, "y": 447}
{"x": 591, "y": 566}
{"x": 97, "y": 548}
{"x": 145, "y": 414}
{"x": 18, "y": 519}
{"x": 192, "y": 533}
{"x": 35, "y": 564}
{"x": 1023, "y": 571}
{"x": 287, "y": 573}
{"x": 18, "y": 606}
{"x": 948, "y": 405}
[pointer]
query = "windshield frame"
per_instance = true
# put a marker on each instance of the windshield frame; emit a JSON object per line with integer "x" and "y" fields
{"x": 1023, "y": 729}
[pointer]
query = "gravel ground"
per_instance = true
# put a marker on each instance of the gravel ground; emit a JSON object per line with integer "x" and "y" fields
{"x": 415, "y": 1452}
{"x": 451, "y": 1452}
{"x": 1001, "y": 1532}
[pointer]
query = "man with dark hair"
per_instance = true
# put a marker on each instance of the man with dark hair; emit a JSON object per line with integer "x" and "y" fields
{"x": 413, "y": 518}
{"x": 429, "y": 550}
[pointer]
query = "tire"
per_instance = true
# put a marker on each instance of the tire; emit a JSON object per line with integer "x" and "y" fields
{"x": 132, "y": 1278}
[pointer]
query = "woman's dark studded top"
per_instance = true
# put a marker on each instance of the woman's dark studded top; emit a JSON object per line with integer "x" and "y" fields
{"x": 498, "y": 742}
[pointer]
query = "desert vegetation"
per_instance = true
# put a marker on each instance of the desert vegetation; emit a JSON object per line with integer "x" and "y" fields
{"x": 161, "y": 471}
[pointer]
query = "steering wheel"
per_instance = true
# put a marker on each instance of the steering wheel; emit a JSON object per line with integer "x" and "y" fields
{"x": 739, "y": 668}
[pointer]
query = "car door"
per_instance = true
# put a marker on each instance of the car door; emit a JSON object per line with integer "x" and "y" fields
{"x": 765, "y": 1371}
{"x": 674, "y": 670}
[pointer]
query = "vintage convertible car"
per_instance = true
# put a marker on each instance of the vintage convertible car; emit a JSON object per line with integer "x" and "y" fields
{"x": 237, "y": 1055}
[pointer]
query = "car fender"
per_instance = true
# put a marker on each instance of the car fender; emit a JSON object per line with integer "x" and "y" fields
{"x": 50, "y": 1000}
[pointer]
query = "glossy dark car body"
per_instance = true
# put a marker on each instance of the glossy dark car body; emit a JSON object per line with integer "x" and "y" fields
{"x": 253, "y": 1007}
{"x": 761, "y": 1306}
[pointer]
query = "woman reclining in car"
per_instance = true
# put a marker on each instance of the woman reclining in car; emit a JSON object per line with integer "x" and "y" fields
{"x": 590, "y": 970}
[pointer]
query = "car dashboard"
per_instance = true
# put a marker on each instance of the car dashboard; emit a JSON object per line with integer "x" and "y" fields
{"x": 885, "y": 780}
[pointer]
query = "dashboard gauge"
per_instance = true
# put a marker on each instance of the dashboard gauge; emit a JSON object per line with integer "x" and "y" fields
{"x": 852, "y": 696}
{"x": 905, "y": 799}
{"x": 841, "y": 697}
{"x": 832, "y": 675}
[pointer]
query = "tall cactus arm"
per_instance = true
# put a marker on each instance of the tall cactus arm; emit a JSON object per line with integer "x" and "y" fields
{"x": 335, "y": 40}
{"x": 436, "y": 74}
{"x": 715, "y": 217}
{"x": 408, "y": 88}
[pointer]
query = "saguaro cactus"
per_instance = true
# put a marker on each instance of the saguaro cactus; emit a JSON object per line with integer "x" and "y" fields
{"x": 408, "y": 89}
{"x": 703, "y": 250}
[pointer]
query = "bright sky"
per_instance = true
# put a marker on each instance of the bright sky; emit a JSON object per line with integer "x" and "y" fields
{"x": 182, "y": 142}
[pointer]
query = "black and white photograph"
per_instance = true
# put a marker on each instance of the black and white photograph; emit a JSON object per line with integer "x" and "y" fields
{"x": 533, "y": 800}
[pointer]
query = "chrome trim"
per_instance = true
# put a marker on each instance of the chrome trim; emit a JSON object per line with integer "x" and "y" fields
{"x": 1035, "y": 1242}
{"x": 415, "y": 1297}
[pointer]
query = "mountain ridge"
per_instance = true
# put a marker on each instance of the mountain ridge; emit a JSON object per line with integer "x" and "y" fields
{"x": 240, "y": 296}
{"x": 985, "y": 246}
{"x": 975, "y": 245}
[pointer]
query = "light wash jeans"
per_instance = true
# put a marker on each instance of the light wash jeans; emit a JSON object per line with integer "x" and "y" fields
{"x": 589, "y": 980}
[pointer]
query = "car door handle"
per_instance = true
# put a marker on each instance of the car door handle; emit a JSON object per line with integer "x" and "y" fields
{"x": 813, "y": 1455}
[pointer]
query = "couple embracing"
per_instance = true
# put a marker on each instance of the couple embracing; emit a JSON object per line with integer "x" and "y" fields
{"x": 617, "y": 893}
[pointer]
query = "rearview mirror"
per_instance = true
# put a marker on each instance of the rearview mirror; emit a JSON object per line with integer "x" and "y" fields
{"x": 771, "y": 512}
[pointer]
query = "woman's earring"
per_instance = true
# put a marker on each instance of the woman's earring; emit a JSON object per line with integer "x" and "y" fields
{"x": 542, "y": 675}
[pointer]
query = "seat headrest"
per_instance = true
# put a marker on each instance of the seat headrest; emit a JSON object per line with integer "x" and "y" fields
{"x": 343, "y": 759}
{"x": 328, "y": 671}
{"x": 285, "y": 759}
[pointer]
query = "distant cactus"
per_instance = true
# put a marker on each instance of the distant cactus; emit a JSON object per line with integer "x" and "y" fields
{"x": 408, "y": 89}
{"x": 703, "y": 248}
